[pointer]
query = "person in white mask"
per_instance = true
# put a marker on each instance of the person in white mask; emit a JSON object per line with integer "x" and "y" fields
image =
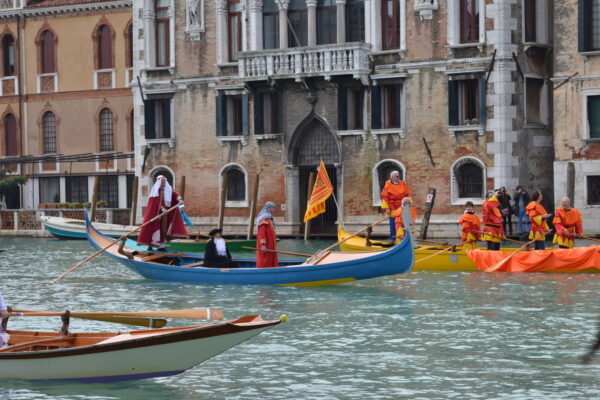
{"x": 216, "y": 254}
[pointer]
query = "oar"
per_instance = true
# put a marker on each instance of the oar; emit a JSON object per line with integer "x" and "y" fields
{"x": 499, "y": 264}
{"x": 435, "y": 254}
{"x": 193, "y": 313}
{"x": 278, "y": 251}
{"x": 355, "y": 234}
{"x": 138, "y": 321}
{"x": 589, "y": 238}
{"x": 113, "y": 243}
{"x": 433, "y": 242}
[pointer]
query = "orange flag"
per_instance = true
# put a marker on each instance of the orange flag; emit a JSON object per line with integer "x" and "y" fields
{"x": 321, "y": 191}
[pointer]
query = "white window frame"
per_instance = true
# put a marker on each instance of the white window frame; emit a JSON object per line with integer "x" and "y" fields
{"x": 400, "y": 131}
{"x": 228, "y": 203}
{"x": 375, "y": 178}
{"x": 454, "y": 25}
{"x": 584, "y": 102}
{"x": 542, "y": 34}
{"x": 543, "y": 102}
{"x": 455, "y": 200}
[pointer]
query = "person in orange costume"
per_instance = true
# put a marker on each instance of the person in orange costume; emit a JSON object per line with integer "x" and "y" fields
{"x": 568, "y": 225}
{"x": 538, "y": 216}
{"x": 471, "y": 226}
{"x": 492, "y": 221}
{"x": 266, "y": 238}
{"x": 392, "y": 194}
{"x": 399, "y": 224}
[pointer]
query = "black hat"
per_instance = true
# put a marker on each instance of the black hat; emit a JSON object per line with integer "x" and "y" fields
{"x": 215, "y": 231}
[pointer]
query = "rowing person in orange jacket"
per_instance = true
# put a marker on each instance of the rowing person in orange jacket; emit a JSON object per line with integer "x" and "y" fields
{"x": 568, "y": 225}
{"x": 392, "y": 194}
{"x": 538, "y": 216}
{"x": 492, "y": 221}
{"x": 399, "y": 224}
{"x": 470, "y": 228}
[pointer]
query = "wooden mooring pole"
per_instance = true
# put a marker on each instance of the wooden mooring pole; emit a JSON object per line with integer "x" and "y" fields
{"x": 134, "y": 196}
{"x": 253, "y": 208}
{"x": 94, "y": 198}
{"x": 429, "y": 201}
{"x": 223, "y": 199}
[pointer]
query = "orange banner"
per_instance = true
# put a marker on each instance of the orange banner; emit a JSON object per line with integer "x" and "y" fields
{"x": 321, "y": 192}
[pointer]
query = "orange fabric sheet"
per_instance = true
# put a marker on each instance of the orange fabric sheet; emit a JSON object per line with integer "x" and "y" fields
{"x": 559, "y": 260}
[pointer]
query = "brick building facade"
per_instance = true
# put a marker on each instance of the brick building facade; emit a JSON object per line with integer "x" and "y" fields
{"x": 452, "y": 93}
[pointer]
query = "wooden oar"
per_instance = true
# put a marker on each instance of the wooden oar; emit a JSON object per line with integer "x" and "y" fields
{"x": 589, "y": 238}
{"x": 433, "y": 242}
{"x": 355, "y": 234}
{"x": 138, "y": 321}
{"x": 113, "y": 243}
{"x": 435, "y": 254}
{"x": 278, "y": 251}
{"x": 499, "y": 264}
{"x": 194, "y": 313}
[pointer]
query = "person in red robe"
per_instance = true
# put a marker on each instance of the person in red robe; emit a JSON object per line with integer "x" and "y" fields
{"x": 568, "y": 225}
{"x": 162, "y": 197}
{"x": 492, "y": 221}
{"x": 266, "y": 238}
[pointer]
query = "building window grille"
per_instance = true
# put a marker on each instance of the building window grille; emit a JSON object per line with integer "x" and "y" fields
{"x": 236, "y": 185}
{"x": 108, "y": 190}
{"x": 77, "y": 189}
{"x": 593, "y": 190}
{"x": 469, "y": 179}
{"x": 106, "y": 130}
{"x": 49, "y": 132}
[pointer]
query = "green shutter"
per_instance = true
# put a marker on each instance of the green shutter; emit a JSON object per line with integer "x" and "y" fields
{"x": 482, "y": 102}
{"x": 584, "y": 30}
{"x": 245, "y": 114}
{"x": 342, "y": 109}
{"x": 375, "y": 107}
{"x": 593, "y": 109}
{"x": 453, "y": 103}
{"x": 149, "y": 118}
{"x": 221, "y": 114}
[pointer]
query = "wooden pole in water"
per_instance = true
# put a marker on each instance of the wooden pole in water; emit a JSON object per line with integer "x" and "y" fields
{"x": 311, "y": 183}
{"x": 94, "y": 198}
{"x": 428, "y": 207}
{"x": 134, "y": 195}
{"x": 182, "y": 187}
{"x": 253, "y": 208}
{"x": 223, "y": 199}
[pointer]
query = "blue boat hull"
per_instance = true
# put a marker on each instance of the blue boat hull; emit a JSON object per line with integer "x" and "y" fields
{"x": 396, "y": 260}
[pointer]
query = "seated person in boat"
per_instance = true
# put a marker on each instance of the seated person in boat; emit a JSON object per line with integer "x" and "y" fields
{"x": 537, "y": 215}
{"x": 568, "y": 225}
{"x": 216, "y": 254}
{"x": 471, "y": 226}
{"x": 492, "y": 221}
{"x": 3, "y": 314}
{"x": 400, "y": 231}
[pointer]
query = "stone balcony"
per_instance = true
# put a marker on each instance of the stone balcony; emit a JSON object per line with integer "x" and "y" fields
{"x": 12, "y": 4}
{"x": 302, "y": 62}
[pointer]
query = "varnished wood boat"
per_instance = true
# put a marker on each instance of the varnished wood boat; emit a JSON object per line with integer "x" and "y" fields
{"x": 110, "y": 357}
{"x": 322, "y": 269}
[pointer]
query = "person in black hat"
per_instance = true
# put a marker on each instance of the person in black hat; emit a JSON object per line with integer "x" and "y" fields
{"x": 216, "y": 254}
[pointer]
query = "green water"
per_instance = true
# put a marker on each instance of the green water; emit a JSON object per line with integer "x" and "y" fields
{"x": 416, "y": 336}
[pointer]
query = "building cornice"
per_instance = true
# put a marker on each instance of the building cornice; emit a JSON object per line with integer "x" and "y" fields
{"x": 71, "y": 8}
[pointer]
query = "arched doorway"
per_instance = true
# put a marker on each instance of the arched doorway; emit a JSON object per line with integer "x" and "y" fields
{"x": 312, "y": 142}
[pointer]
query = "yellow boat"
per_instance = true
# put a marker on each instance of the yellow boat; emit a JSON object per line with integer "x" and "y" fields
{"x": 447, "y": 261}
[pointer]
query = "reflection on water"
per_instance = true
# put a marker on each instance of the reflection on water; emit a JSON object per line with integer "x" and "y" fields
{"x": 420, "y": 336}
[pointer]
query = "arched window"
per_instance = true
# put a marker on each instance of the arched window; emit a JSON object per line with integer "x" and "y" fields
{"x": 236, "y": 185}
{"x": 131, "y": 132}
{"x": 381, "y": 173}
{"x": 48, "y": 52}
{"x": 8, "y": 55}
{"x": 10, "y": 135}
{"x": 106, "y": 130}
{"x": 129, "y": 46}
{"x": 49, "y": 132}
{"x": 162, "y": 32}
{"x": 161, "y": 171}
{"x": 468, "y": 179}
{"x": 104, "y": 48}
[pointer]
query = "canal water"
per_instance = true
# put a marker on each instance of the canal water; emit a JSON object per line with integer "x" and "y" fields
{"x": 421, "y": 335}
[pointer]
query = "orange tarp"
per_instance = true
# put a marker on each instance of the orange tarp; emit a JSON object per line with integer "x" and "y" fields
{"x": 559, "y": 260}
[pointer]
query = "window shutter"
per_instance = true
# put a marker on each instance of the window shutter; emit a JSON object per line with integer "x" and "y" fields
{"x": 375, "y": 107}
{"x": 149, "y": 118}
{"x": 453, "y": 103}
{"x": 584, "y": 30}
{"x": 482, "y": 102}
{"x": 221, "y": 114}
{"x": 258, "y": 114}
{"x": 167, "y": 119}
{"x": 399, "y": 121}
{"x": 342, "y": 109}
{"x": 245, "y": 114}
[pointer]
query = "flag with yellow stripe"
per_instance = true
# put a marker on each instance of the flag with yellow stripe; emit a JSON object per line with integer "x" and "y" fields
{"x": 321, "y": 192}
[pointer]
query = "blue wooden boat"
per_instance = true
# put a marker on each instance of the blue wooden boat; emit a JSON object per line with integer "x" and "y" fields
{"x": 321, "y": 269}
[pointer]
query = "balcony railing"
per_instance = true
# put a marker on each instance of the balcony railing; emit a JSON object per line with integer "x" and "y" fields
{"x": 11, "y": 4}
{"x": 299, "y": 62}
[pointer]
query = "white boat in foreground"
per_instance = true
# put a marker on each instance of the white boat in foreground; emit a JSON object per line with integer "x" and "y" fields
{"x": 69, "y": 229}
{"x": 110, "y": 357}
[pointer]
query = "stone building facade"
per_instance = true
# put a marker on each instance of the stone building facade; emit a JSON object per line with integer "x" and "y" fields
{"x": 451, "y": 93}
{"x": 577, "y": 108}
{"x": 65, "y": 97}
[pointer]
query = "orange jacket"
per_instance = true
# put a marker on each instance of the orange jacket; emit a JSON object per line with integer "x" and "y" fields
{"x": 393, "y": 193}
{"x": 470, "y": 227}
{"x": 567, "y": 221}
{"x": 490, "y": 212}
{"x": 398, "y": 215}
{"x": 535, "y": 211}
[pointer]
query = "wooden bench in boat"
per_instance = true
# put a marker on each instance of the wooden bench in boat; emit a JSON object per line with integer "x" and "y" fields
{"x": 54, "y": 342}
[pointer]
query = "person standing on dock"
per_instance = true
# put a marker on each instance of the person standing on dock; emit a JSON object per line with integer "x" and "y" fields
{"x": 492, "y": 221}
{"x": 521, "y": 199}
{"x": 392, "y": 194}
{"x": 537, "y": 215}
{"x": 266, "y": 238}
{"x": 471, "y": 225}
{"x": 162, "y": 197}
{"x": 568, "y": 225}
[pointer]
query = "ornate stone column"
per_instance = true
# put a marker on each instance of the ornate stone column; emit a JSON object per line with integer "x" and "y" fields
{"x": 256, "y": 25}
{"x": 222, "y": 48}
{"x": 283, "y": 24}
{"x": 312, "y": 22}
{"x": 341, "y": 20}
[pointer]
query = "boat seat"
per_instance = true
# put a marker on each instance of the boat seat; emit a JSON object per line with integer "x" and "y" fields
{"x": 45, "y": 342}
{"x": 159, "y": 255}
{"x": 196, "y": 264}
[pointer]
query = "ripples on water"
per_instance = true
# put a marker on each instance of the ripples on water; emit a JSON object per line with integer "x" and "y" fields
{"x": 419, "y": 336}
